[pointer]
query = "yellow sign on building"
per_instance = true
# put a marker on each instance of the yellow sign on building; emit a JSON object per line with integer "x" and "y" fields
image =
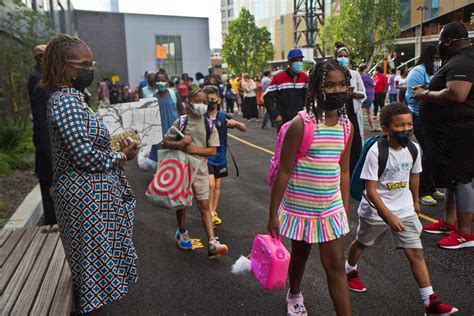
{"x": 161, "y": 52}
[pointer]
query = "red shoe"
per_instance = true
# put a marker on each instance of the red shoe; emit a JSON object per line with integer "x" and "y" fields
{"x": 438, "y": 308}
{"x": 456, "y": 241}
{"x": 355, "y": 284}
{"x": 440, "y": 227}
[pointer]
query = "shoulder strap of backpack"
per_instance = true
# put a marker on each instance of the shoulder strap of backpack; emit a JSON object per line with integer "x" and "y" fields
{"x": 413, "y": 151}
{"x": 308, "y": 133}
{"x": 183, "y": 122}
{"x": 383, "y": 155}
{"x": 208, "y": 126}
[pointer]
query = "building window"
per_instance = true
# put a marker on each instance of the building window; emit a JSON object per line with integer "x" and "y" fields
{"x": 169, "y": 54}
{"x": 230, "y": 2}
{"x": 282, "y": 35}
{"x": 405, "y": 14}
{"x": 223, "y": 14}
{"x": 231, "y": 12}
{"x": 434, "y": 8}
{"x": 62, "y": 18}
{"x": 223, "y": 2}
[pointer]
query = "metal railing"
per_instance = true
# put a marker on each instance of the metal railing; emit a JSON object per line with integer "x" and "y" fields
{"x": 409, "y": 61}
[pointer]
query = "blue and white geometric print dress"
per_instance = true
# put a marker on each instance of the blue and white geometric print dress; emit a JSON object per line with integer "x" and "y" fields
{"x": 93, "y": 200}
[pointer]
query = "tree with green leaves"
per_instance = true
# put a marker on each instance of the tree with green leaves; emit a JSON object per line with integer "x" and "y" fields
{"x": 366, "y": 27}
{"x": 21, "y": 29}
{"x": 247, "y": 48}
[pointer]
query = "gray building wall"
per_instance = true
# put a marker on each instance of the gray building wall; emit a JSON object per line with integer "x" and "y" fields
{"x": 141, "y": 31}
{"x": 105, "y": 35}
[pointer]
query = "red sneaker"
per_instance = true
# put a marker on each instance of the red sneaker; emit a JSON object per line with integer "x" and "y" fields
{"x": 456, "y": 241}
{"x": 438, "y": 308}
{"x": 355, "y": 284}
{"x": 440, "y": 227}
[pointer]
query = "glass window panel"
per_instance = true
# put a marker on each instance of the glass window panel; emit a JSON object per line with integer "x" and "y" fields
{"x": 173, "y": 64}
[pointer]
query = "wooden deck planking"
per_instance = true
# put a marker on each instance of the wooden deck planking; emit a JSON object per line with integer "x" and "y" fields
{"x": 13, "y": 260}
{"x": 9, "y": 245}
{"x": 15, "y": 286}
{"x": 48, "y": 287}
{"x": 63, "y": 297}
{"x": 4, "y": 233}
{"x": 32, "y": 285}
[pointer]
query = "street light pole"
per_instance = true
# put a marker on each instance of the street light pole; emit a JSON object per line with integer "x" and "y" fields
{"x": 422, "y": 9}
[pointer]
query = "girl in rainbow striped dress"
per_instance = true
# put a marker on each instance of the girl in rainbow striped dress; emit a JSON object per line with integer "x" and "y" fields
{"x": 310, "y": 196}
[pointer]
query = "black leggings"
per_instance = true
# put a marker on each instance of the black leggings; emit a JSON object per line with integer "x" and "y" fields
{"x": 379, "y": 99}
{"x": 427, "y": 185}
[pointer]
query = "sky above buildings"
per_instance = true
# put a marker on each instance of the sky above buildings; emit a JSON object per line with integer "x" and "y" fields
{"x": 196, "y": 8}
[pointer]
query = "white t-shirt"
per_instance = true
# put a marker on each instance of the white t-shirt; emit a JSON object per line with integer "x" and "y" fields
{"x": 394, "y": 184}
{"x": 402, "y": 82}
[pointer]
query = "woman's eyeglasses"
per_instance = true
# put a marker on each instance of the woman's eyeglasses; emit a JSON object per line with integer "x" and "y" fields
{"x": 83, "y": 64}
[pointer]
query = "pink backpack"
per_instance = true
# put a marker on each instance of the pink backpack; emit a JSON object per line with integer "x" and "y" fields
{"x": 269, "y": 262}
{"x": 306, "y": 141}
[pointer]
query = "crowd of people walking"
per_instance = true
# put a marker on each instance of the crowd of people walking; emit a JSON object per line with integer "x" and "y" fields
{"x": 86, "y": 191}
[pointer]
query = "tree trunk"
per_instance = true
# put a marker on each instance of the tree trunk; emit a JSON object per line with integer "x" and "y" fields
{"x": 374, "y": 54}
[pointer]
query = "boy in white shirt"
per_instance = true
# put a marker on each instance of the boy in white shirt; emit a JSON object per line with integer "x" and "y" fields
{"x": 391, "y": 203}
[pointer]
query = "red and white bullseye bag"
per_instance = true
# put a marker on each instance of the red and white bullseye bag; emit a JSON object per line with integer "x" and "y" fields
{"x": 171, "y": 185}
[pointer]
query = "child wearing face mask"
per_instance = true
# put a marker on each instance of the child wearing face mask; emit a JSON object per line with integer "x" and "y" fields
{"x": 310, "y": 196}
{"x": 217, "y": 164}
{"x": 390, "y": 203}
{"x": 200, "y": 141}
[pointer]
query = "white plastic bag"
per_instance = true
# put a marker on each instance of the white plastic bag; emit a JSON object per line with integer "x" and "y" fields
{"x": 143, "y": 159}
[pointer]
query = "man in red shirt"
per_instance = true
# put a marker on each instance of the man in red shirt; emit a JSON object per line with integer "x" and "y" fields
{"x": 286, "y": 94}
{"x": 381, "y": 82}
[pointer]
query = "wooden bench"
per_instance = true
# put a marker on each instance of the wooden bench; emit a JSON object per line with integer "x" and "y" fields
{"x": 35, "y": 278}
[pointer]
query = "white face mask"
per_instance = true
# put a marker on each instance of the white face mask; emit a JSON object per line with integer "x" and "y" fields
{"x": 200, "y": 108}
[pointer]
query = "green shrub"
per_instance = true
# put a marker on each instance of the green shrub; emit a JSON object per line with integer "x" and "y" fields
{"x": 16, "y": 146}
{"x": 11, "y": 135}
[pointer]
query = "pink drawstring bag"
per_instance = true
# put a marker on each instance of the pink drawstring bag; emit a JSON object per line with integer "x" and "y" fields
{"x": 269, "y": 262}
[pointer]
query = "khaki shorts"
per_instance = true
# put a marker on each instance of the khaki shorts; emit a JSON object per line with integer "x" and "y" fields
{"x": 369, "y": 230}
{"x": 201, "y": 184}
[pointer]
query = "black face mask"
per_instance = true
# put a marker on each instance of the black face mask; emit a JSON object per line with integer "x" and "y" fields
{"x": 403, "y": 137}
{"x": 84, "y": 79}
{"x": 212, "y": 105}
{"x": 334, "y": 101}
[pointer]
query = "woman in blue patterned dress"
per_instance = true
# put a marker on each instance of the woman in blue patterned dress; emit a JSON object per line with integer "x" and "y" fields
{"x": 93, "y": 200}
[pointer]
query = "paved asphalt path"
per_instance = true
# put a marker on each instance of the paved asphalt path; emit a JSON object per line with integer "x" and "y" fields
{"x": 174, "y": 282}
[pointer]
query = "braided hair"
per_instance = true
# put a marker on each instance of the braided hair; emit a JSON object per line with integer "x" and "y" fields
{"x": 317, "y": 82}
{"x": 54, "y": 66}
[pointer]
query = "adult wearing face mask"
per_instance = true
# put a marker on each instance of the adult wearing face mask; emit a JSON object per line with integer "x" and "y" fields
{"x": 93, "y": 200}
{"x": 43, "y": 163}
{"x": 150, "y": 89}
{"x": 249, "y": 107}
{"x": 447, "y": 110}
{"x": 420, "y": 75}
{"x": 286, "y": 94}
{"x": 357, "y": 96}
{"x": 170, "y": 106}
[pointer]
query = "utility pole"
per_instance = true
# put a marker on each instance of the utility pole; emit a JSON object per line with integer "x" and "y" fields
{"x": 419, "y": 38}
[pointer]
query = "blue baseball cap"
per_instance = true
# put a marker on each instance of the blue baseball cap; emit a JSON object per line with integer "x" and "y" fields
{"x": 295, "y": 53}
